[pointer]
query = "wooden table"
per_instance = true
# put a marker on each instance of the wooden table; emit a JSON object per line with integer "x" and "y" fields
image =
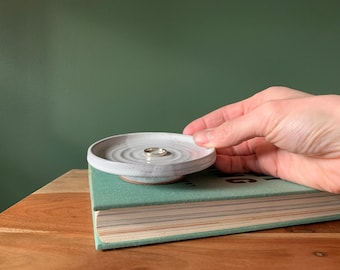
{"x": 52, "y": 229}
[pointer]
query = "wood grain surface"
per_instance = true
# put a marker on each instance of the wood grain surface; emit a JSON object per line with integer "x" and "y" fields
{"x": 52, "y": 229}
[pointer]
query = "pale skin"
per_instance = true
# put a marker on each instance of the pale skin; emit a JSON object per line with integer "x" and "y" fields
{"x": 279, "y": 131}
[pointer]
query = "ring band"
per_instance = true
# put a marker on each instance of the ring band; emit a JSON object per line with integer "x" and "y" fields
{"x": 155, "y": 152}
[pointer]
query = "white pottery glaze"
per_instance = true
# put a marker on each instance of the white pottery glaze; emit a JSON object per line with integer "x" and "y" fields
{"x": 124, "y": 155}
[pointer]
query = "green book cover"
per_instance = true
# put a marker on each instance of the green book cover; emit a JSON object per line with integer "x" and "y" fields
{"x": 203, "y": 204}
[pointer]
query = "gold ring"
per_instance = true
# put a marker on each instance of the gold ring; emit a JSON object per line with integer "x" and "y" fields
{"x": 155, "y": 152}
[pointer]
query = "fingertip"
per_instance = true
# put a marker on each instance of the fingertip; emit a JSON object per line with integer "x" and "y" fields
{"x": 187, "y": 131}
{"x": 203, "y": 138}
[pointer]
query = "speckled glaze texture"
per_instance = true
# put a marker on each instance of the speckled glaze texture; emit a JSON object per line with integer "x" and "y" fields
{"x": 125, "y": 155}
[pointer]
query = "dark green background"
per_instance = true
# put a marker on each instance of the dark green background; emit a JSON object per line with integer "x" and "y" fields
{"x": 73, "y": 72}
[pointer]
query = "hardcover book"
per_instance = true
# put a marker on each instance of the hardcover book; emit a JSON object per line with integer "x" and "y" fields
{"x": 203, "y": 204}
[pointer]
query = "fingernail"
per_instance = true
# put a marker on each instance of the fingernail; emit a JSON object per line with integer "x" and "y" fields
{"x": 203, "y": 138}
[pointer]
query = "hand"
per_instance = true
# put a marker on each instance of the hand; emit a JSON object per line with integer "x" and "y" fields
{"x": 279, "y": 131}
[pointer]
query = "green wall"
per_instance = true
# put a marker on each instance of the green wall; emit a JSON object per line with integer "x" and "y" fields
{"x": 73, "y": 72}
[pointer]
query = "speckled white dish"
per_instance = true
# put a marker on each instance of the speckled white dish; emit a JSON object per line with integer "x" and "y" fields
{"x": 171, "y": 156}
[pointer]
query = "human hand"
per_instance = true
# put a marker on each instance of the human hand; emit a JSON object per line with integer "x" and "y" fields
{"x": 279, "y": 131}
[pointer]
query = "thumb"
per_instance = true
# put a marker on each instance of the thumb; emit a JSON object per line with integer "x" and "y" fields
{"x": 234, "y": 131}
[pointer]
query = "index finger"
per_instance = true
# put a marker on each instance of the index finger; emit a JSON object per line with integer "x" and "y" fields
{"x": 215, "y": 118}
{"x": 231, "y": 111}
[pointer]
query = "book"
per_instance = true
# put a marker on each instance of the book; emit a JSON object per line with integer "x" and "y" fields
{"x": 203, "y": 204}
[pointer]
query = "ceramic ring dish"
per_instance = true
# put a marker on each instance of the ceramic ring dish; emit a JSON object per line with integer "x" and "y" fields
{"x": 150, "y": 157}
